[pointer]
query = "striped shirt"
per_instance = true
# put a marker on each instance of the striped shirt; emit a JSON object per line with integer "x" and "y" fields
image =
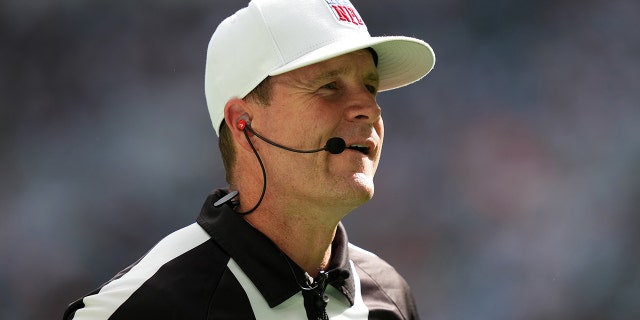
{"x": 222, "y": 268}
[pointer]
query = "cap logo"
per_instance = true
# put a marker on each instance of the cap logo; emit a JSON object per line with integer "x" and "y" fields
{"x": 345, "y": 12}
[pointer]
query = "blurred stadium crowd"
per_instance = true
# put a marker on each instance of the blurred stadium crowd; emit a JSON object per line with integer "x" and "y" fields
{"x": 508, "y": 188}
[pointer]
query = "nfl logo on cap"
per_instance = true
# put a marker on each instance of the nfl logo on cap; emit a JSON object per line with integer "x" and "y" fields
{"x": 345, "y": 12}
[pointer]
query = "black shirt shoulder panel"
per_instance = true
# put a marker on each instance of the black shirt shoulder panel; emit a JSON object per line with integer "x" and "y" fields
{"x": 384, "y": 290}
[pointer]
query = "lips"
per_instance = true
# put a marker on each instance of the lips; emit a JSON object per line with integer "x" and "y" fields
{"x": 364, "y": 149}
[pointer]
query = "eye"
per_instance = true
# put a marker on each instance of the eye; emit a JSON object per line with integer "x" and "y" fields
{"x": 330, "y": 86}
{"x": 373, "y": 89}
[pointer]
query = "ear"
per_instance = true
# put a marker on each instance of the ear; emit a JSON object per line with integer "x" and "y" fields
{"x": 234, "y": 111}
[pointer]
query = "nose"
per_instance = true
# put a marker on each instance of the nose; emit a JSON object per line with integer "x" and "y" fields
{"x": 363, "y": 107}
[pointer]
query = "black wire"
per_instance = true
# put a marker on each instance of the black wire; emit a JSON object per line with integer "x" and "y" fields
{"x": 264, "y": 174}
{"x": 248, "y": 127}
{"x": 312, "y": 286}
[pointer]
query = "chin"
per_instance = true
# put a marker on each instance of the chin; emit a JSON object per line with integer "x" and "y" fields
{"x": 363, "y": 187}
{"x": 353, "y": 192}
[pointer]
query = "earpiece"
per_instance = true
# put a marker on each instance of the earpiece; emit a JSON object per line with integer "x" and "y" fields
{"x": 242, "y": 124}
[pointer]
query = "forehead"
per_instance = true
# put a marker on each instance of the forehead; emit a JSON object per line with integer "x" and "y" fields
{"x": 358, "y": 63}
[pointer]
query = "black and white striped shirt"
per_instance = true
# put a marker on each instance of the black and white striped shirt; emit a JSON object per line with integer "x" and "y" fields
{"x": 222, "y": 268}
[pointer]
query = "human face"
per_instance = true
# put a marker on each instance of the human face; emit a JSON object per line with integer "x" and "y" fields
{"x": 334, "y": 98}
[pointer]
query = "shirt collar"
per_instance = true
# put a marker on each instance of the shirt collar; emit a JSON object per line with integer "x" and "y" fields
{"x": 262, "y": 261}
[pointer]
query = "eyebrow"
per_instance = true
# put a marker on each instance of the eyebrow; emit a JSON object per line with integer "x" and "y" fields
{"x": 332, "y": 74}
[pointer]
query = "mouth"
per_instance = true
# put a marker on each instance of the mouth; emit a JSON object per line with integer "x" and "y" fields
{"x": 360, "y": 148}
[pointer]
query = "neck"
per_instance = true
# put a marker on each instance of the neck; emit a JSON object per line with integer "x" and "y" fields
{"x": 302, "y": 230}
{"x": 307, "y": 241}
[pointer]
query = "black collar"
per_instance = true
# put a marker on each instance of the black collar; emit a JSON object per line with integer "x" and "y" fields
{"x": 268, "y": 268}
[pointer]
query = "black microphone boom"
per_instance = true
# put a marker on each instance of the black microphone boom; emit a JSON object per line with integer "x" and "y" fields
{"x": 334, "y": 145}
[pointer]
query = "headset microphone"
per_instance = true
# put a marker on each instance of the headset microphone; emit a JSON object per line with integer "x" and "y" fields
{"x": 334, "y": 145}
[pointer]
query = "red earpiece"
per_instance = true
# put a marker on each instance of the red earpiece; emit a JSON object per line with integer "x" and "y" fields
{"x": 242, "y": 124}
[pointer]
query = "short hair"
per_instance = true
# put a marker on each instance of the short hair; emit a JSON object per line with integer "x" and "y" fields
{"x": 261, "y": 94}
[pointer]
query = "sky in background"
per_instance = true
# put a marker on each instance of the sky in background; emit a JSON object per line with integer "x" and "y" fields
{"x": 508, "y": 188}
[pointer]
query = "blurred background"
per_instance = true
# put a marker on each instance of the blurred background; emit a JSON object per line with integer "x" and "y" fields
{"x": 508, "y": 187}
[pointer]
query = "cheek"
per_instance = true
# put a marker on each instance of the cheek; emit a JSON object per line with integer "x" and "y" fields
{"x": 285, "y": 128}
{"x": 380, "y": 130}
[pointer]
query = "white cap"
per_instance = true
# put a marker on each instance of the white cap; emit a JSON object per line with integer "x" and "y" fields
{"x": 271, "y": 37}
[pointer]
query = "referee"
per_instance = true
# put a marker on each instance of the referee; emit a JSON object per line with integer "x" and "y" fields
{"x": 291, "y": 90}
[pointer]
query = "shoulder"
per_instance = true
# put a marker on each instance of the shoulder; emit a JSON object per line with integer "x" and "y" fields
{"x": 184, "y": 265}
{"x": 376, "y": 268}
{"x": 382, "y": 286}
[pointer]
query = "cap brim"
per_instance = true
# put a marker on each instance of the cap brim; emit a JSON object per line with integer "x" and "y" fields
{"x": 401, "y": 60}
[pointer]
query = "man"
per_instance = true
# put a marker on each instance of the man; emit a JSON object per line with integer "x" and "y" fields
{"x": 291, "y": 88}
